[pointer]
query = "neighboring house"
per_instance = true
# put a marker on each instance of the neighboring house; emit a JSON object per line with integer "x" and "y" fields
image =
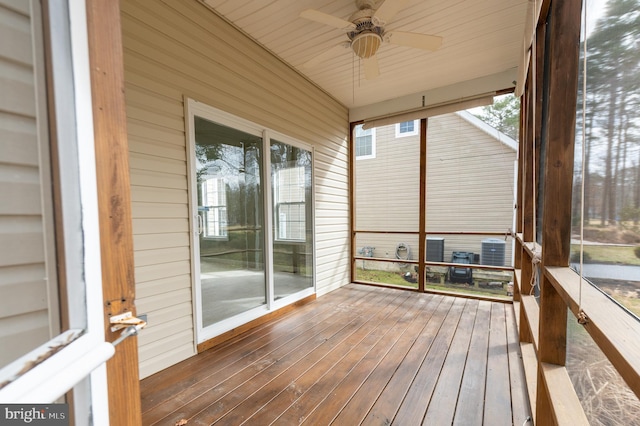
{"x": 469, "y": 166}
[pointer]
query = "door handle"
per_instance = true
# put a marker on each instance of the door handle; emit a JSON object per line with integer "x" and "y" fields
{"x": 200, "y": 224}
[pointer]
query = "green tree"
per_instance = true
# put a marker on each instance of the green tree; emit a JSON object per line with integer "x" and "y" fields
{"x": 503, "y": 114}
{"x": 613, "y": 66}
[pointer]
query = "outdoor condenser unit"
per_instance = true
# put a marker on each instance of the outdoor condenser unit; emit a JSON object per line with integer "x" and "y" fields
{"x": 435, "y": 249}
{"x": 492, "y": 252}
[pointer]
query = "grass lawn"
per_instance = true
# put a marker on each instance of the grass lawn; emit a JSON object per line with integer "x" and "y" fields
{"x": 607, "y": 254}
{"x": 395, "y": 278}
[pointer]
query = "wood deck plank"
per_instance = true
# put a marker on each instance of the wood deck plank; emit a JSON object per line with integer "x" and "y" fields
{"x": 332, "y": 405}
{"x": 440, "y": 410}
{"x": 360, "y": 355}
{"x": 207, "y": 376}
{"x": 388, "y": 403}
{"x": 256, "y": 401}
{"x": 518, "y": 385}
{"x": 365, "y": 397}
{"x": 326, "y": 383}
{"x": 159, "y": 388}
{"x": 206, "y": 396}
{"x": 497, "y": 408}
{"x": 415, "y": 403}
{"x": 470, "y": 406}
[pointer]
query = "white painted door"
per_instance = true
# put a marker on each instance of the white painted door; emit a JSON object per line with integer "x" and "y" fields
{"x": 49, "y": 245}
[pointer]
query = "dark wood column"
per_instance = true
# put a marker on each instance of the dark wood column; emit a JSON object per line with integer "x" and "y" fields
{"x": 114, "y": 203}
{"x": 422, "y": 220}
{"x": 564, "y": 44}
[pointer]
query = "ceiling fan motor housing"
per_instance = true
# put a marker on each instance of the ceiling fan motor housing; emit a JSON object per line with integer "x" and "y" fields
{"x": 367, "y": 37}
{"x": 366, "y": 44}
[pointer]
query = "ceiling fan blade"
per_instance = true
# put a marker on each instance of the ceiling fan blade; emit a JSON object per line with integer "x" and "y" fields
{"x": 327, "y": 54}
{"x": 371, "y": 69}
{"x": 387, "y": 10}
{"x": 324, "y": 18}
{"x": 419, "y": 41}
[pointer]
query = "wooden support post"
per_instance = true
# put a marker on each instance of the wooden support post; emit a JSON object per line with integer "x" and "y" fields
{"x": 422, "y": 220}
{"x": 352, "y": 200}
{"x": 526, "y": 199}
{"x": 114, "y": 203}
{"x": 564, "y": 42}
{"x": 529, "y": 174}
{"x": 517, "y": 262}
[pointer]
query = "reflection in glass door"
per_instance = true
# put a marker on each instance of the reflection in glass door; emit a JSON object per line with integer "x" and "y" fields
{"x": 292, "y": 219}
{"x": 230, "y": 216}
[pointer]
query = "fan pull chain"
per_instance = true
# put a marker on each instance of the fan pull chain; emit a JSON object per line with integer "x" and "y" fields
{"x": 353, "y": 77}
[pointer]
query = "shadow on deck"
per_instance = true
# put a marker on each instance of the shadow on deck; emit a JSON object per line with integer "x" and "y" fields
{"x": 359, "y": 355}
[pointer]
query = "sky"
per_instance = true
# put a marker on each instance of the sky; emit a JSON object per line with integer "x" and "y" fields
{"x": 595, "y": 9}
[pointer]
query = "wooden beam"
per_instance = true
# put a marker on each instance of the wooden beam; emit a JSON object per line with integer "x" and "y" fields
{"x": 528, "y": 195}
{"x": 567, "y": 409}
{"x": 562, "y": 56}
{"x": 615, "y": 332}
{"x": 529, "y": 307}
{"x": 114, "y": 203}
{"x": 530, "y": 363}
{"x": 563, "y": 94}
{"x": 352, "y": 200}
{"x": 422, "y": 220}
{"x": 539, "y": 121}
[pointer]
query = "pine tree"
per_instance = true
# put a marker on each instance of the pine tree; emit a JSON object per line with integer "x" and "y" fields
{"x": 613, "y": 70}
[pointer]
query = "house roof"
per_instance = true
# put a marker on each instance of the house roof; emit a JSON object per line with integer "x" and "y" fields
{"x": 491, "y": 131}
{"x": 481, "y": 50}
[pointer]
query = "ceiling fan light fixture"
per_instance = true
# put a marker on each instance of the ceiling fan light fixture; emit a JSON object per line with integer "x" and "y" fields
{"x": 366, "y": 44}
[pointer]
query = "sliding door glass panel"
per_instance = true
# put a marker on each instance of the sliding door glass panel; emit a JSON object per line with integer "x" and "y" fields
{"x": 292, "y": 219}
{"x": 231, "y": 221}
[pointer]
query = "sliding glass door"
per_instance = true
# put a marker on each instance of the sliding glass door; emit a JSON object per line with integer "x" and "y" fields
{"x": 230, "y": 220}
{"x": 292, "y": 219}
{"x": 252, "y": 239}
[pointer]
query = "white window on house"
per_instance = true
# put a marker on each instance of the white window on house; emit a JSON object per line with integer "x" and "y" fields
{"x": 365, "y": 143}
{"x": 290, "y": 204}
{"x": 214, "y": 205}
{"x": 407, "y": 128}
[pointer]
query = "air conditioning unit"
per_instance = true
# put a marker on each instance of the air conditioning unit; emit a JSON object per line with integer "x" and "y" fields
{"x": 492, "y": 252}
{"x": 435, "y": 249}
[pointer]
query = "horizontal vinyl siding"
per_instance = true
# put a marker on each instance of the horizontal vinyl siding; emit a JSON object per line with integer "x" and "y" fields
{"x": 387, "y": 186}
{"x": 469, "y": 187}
{"x": 175, "y": 49}
{"x": 25, "y": 300}
{"x": 469, "y": 183}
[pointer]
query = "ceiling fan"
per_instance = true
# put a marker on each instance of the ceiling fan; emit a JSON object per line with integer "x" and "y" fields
{"x": 366, "y": 32}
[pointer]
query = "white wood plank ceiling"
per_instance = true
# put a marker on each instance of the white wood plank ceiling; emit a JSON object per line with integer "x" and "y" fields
{"x": 481, "y": 38}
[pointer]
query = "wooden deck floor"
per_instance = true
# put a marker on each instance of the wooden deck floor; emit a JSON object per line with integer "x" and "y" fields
{"x": 359, "y": 355}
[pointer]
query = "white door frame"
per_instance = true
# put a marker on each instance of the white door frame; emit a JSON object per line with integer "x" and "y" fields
{"x": 195, "y": 108}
